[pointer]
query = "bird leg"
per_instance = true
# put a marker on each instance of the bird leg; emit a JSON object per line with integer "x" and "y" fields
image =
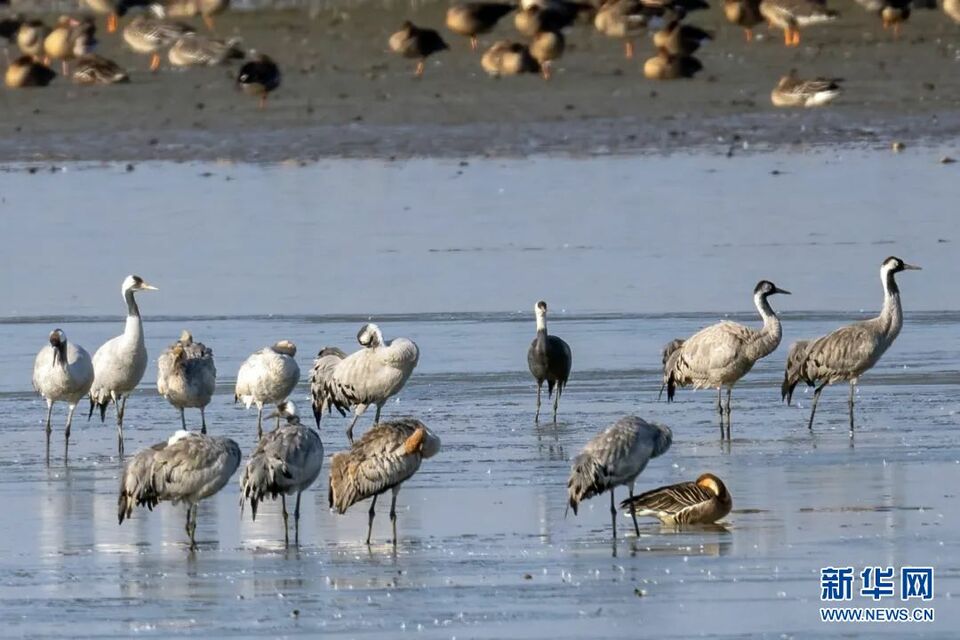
{"x": 183, "y": 420}
{"x": 259, "y": 422}
{"x": 419, "y": 71}
{"x": 203, "y": 421}
{"x": 356, "y": 416}
{"x": 49, "y": 428}
{"x": 633, "y": 513}
{"x": 748, "y": 35}
{"x": 787, "y": 37}
{"x": 286, "y": 530}
{"x": 193, "y": 528}
{"x": 66, "y": 434}
{"x": 720, "y": 408}
{"x": 371, "y": 513}
{"x": 474, "y": 43}
{"x": 121, "y": 409}
{"x": 853, "y": 387}
{"x": 296, "y": 522}
{"x": 263, "y": 102}
{"x": 208, "y": 20}
{"x": 112, "y": 23}
{"x": 376, "y": 416}
{"x": 813, "y": 407}
{"x": 556, "y": 401}
{"x": 628, "y": 50}
{"x": 545, "y": 69}
{"x": 729, "y": 393}
{"x": 393, "y": 515}
{"x": 613, "y": 516}
{"x": 536, "y": 418}
{"x": 186, "y": 527}
{"x": 154, "y": 62}
{"x": 796, "y": 37}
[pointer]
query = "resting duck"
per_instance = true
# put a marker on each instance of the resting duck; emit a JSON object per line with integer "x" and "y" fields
{"x": 472, "y": 19}
{"x": 791, "y": 91}
{"x": 413, "y": 42}
{"x": 196, "y": 50}
{"x": 68, "y": 40}
{"x": 150, "y": 35}
{"x": 680, "y": 39}
{"x": 508, "y": 59}
{"x": 668, "y": 66}
{"x": 259, "y": 77}
{"x": 26, "y": 72}
{"x": 94, "y": 69}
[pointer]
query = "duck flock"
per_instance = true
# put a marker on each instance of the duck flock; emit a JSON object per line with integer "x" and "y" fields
{"x": 542, "y": 25}
{"x": 287, "y": 459}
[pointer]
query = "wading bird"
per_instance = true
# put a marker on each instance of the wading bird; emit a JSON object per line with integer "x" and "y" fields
{"x": 667, "y": 66}
{"x": 370, "y": 376}
{"x": 260, "y": 77}
{"x": 62, "y": 372}
{"x": 744, "y": 14}
{"x": 545, "y": 47}
{"x": 719, "y": 355}
{"x": 381, "y": 460}
{"x": 286, "y": 461}
{"x": 149, "y": 35}
{"x": 25, "y": 72}
{"x": 416, "y": 43}
{"x": 206, "y": 9}
{"x": 186, "y": 468}
{"x": 119, "y": 363}
{"x": 549, "y": 359}
{"x": 193, "y": 50}
{"x": 702, "y": 502}
{"x": 616, "y": 457}
{"x": 472, "y": 19}
{"x": 187, "y": 377}
{"x": 850, "y": 351}
{"x": 268, "y": 376}
{"x": 681, "y": 39}
{"x": 506, "y": 58}
{"x": 791, "y": 91}
{"x": 790, "y": 15}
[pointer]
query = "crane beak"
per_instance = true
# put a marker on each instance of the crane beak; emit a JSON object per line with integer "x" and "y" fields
{"x": 911, "y": 267}
{"x": 148, "y": 287}
{"x": 779, "y": 290}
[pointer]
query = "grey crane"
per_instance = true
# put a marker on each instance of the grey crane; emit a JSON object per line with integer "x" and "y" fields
{"x": 187, "y": 376}
{"x": 62, "y": 372}
{"x": 701, "y": 502}
{"x": 847, "y": 353}
{"x": 119, "y": 363}
{"x": 549, "y": 359}
{"x": 286, "y": 461}
{"x": 381, "y": 460}
{"x": 187, "y": 468}
{"x": 719, "y": 355}
{"x": 370, "y": 376}
{"x": 616, "y": 457}
{"x": 268, "y": 376}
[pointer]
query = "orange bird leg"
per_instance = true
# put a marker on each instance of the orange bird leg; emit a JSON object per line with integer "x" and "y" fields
{"x": 545, "y": 69}
{"x": 208, "y": 20}
{"x": 112, "y": 20}
{"x": 474, "y": 43}
{"x": 419, "y": 71}
{"x": 748, "y": 35}
{"x": 155, "y": 62}
{"x": 628, "y": 50}
{"x": 263, "y": 101}
{"x": 787, "y": 37}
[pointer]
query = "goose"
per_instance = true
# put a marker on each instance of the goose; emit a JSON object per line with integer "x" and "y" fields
{"x": 847, "y": 353}
{"x": 259, "y": 77}
{"x": 952, "y": 9}
{"x": 894, "y": 13}
{"x": 719, "y": 355}
{"x": 25, "y": 72}
{"x": 149, "y": 35}
{"x": 471, "y": 19}
{"x": 625, "y": 20}
{"x": 30, "y": 37}
{"x": 196, "y": 50}
{"x": 613, "y": 458}
{"x": 93, "y": 69}
{"x": 62, "y": 372}
{"x": 187, "y": 376}
{"x": 187, "y": 468}
{"x": 667, "y": 66}
{"x": 791, "y": 91}
{"x": 414, "y": 42}
{"x": 382, "y": 459}
{"x": 680, "y": 39}
{"x": 701, "y": 502}
{"x": 744, "y": 14}
{"x": 113, "y": 9}
{"x": 790, "y": 15}
{"x": 370, "y": 376}
{"x": 546, "y": 47}
{"x": 206, "y": 9}
{"x": 268, "y": 376}
{"x": 549, "y": 359}
{"x": 555, "y": 16}
{"x": 286, "y": 461}
{"x": 120, "y": 362}
{"x": 505, "y": 58}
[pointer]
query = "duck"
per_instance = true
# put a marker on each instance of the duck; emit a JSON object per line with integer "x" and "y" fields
{"x": 790, "y": 15}
{"x": 680, "y": 39}
{"x": 952, "y": 9}
{"x": 415, "y": 42}
{"x": 68, "y": 40}
{"x": 554, "y": 17}
{"x": 206, "y": 9}
{"x": 113, "y": 9}
{"x": 94, "y": 69}
{"x": 744, "y": 14}
{"x": 26, "y": 72}
{"x": 149, "y": 35}
{"x": 669, "y": 66}
{"x": 894, "y": 13}
{"x": 624, "y": 20}
{"x": 196, "y": 50}
{"x": 701, "y": 502}
{"x": 506, "y": 58}
{"x": 546, "y": 47}
{"x": 791, "y": 91}
{"x": 30, "y": 37}
{"x": 259, "y": 77}
{"x": 472, "y": 19}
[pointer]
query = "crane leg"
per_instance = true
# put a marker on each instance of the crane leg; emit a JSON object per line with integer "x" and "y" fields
{"x": 121, "y": 409}
{"x": 371, "y": 514}
{"x": 633, "y": 514}
{"x": 853, "y": 388}
{"x": 183, "y": 420}
{"x": 556, "y": 401}
{"x": 296, "y": 521}
{"x": 193, "y": 528}
{"x": 356, "y": 416}
{"x": 720, "y": 408}
{"x": 49, "y": 428}
{"x": 536, "y": 418}
{"x": 376, "y": 416}
{"x": 203, "y": 421}
{"x": 186, "y": 527}
{"x": 813, "y": 407}
{"x": 259, "y": 422}
{"x": 286, "y": 519}
{"x": 729, "y": 393}
{"x": 613, "y": 515}
{"x": 393, "y": 515}
{"x": 66, "y": 433}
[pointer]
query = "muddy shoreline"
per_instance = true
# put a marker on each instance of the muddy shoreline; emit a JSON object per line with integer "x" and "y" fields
{"x": 345, "y": 96}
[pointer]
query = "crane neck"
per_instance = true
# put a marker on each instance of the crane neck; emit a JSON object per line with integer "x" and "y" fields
{"x": 891, "y": 316}
{"x": 771, "y": 323}
{"x": 134, "y": 326}
{"x": 541, "y": 323}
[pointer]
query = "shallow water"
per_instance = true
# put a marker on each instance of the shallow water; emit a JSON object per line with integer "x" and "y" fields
{"x": 486, "y": 549}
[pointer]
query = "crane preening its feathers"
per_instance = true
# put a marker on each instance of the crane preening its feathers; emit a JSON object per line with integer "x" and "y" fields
{"x": 850, "y": 351}
{"x": 370, "y": 376}
{"x": 268, "y": 376}
{"x": 187, "y": 376}
{"x": 719, "y": 355}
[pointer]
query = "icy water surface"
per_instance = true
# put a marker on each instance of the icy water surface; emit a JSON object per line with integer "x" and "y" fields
{"x": 486, "y": 549}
